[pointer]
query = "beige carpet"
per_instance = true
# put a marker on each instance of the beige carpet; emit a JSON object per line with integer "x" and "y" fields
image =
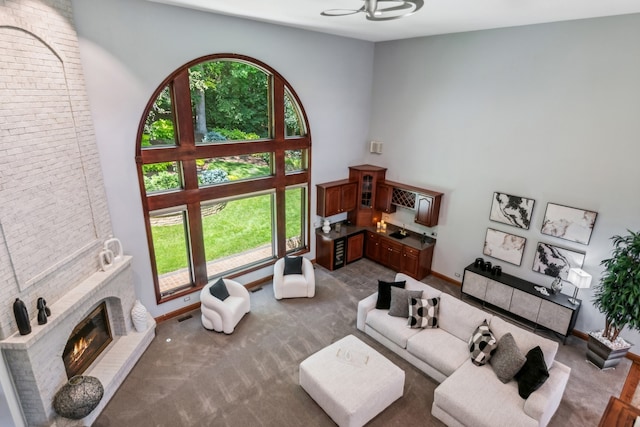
{"x": 193, "y": 377}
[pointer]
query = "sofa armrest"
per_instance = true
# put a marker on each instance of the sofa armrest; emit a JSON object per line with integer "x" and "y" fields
{"x": 364, "y": 307}
{"x": 542, "y": 403}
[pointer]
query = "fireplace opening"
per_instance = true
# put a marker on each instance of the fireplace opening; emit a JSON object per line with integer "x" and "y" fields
{"x": 87, "y": 341}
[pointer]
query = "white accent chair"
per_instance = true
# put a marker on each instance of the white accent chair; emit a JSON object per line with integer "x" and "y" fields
{"x": 294, "y": 285}
{"x": 223, "y": 316}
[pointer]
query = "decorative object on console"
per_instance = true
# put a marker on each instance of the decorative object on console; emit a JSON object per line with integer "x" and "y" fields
{"x": 478, "y": 263}
{"x": 581, "y": 280}
{"x": 617, "y": 298}
{"x": 326, "y": 226}
{"x": 568, "y": 223}
{"x": 139, "y": 316}
{"x": 487, "y": 266}
{"x": 43, "y": 311}
{"x": 556, "y": 285}
{"x": 115, "y": 246}
{"x": 511, "y": 210}
{"x": 22, "y": 317}
{"x": 377, "y": 10}
{"x": 496, "y": 270}
{"x": 555, "y": 261}
{"x": 504, "y": 246}
{"x": 78, "y": 397}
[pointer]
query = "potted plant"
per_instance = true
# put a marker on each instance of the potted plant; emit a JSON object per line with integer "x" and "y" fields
{"x": 618, "y": 298}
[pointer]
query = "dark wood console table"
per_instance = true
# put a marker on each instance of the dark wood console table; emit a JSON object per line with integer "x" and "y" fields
{"x": 519, "y": 298}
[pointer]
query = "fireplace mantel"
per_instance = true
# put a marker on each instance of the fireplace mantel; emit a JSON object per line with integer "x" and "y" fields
{"x": 35, "y": 360}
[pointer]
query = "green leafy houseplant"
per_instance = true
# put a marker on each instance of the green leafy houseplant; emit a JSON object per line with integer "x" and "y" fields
{"x": 618, "y": 296}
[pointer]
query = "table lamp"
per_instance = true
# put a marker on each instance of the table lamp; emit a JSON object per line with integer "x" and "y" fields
{"x": 580, "y": 279}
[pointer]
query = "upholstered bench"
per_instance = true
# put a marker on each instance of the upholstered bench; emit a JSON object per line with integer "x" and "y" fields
{"x": 351, "y": 381}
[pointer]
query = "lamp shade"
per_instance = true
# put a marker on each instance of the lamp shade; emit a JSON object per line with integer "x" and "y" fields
{"x": 579, "y": 278}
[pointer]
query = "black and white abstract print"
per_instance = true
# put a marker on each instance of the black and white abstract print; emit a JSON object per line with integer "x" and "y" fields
{"x": 504, "y": 246}
{"x": 556, "y": 262}
{"x": 568, "y": 223}
{"x": 512, "y": 210}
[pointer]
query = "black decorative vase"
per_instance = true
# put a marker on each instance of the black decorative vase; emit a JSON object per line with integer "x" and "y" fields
{"x": 78, "y": 397}
{"x": 479, "y": 263}
{"x": 42, "y": 311}
{"x": 22, "y": 317}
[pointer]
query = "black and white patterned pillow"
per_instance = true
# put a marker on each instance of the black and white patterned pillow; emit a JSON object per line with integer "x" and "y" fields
{"x": 423, "y": 313}
{"x": 482, "y": 344}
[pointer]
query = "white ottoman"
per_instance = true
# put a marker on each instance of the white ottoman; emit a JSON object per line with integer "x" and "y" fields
{"x": 351, "y": 381}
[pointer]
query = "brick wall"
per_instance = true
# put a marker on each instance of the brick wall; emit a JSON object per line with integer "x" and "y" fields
{"x": 53, "y": 209}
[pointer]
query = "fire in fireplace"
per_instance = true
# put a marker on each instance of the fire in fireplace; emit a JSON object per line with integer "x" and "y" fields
{"x": 87, "y": 341}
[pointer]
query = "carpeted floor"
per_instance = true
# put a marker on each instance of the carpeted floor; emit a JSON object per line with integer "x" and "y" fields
{"x": 193, "y": 377}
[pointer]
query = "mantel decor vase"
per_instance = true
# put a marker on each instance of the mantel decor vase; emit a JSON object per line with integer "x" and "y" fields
{"x": 78, "y": 397}
{"x": 22, "y": 317}
{"x": 326, "y": 226}
{"x": 139, "y": 316}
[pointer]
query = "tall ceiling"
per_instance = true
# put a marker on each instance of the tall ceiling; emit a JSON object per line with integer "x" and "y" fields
{"x": 436, "y": 17}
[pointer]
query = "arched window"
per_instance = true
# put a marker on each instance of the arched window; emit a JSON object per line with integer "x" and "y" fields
{"x": 223, "y": 157}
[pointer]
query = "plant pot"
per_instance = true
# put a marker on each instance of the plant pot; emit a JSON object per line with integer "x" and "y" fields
{"x": 602, "y": 355}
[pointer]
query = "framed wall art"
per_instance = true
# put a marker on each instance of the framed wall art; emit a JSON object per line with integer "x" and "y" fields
{"x": 554, "y": 261}
{"x": 568, "y": 223}
{"x": 504, "y": 246}
{"x": 512, "y": 210}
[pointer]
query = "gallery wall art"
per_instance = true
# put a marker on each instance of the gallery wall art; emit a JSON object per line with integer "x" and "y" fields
{"x": 504, "y": 246}
{"x": 555, "y": 261}
{"x": 568, "y": 223}
{"x": 511, "y": 210}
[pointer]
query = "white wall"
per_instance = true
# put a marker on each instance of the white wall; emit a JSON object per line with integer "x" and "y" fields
{"x": 550, "y": 112}
{"x": 129, "y": 46}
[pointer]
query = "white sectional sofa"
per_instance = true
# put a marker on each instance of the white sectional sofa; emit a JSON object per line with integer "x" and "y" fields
{"x": 468, "y": 395}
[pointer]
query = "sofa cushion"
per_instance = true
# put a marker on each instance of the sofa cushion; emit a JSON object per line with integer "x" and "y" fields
{"x": 219, "y": 290}
{"x": 384, "y": 293}
{"x": 508, "y": 359}
{"x": 526, "y": 340}
{"x": 423, "y": 313}
{"x": 477, "y": 398}
{"x": 393, "y": 328}
{"x": 533, "y": 374}
{"x": 399, "y": 306}
{"x": 292, "y": 265}
{"x": 459, "y": 318}
{"x": 439, "y": 349}
{"x": 482, "y": 344}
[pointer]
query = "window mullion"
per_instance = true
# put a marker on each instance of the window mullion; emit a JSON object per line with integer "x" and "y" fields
{"x": 196, "y": 240}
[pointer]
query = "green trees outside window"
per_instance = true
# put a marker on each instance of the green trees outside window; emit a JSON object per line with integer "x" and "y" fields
{"x": 223, "y": 160}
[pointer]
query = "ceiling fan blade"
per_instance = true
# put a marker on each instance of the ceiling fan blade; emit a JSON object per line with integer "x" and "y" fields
{"x": 341, "y": 12}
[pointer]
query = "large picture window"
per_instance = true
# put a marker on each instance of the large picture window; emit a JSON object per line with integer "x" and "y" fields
{"x": 223, "y": 157}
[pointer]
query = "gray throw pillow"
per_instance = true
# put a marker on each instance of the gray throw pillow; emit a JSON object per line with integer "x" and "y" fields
{"x": 508, "y": 359}
{"x": 399, "y": 306}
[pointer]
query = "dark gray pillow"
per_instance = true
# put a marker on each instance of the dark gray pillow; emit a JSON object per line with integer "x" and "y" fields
{"x": 399, "y": 306}
{"x": 219, "y": 290}
{"x": 508, "y": 359}
{"x": 292, "y": 265}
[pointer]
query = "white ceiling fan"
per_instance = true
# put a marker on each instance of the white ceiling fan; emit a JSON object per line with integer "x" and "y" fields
{"x": 381, "y": 10}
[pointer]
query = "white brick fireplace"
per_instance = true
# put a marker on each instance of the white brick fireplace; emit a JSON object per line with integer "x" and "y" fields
{"x": 35, "y": 360}
{"x": 54, "y": 217}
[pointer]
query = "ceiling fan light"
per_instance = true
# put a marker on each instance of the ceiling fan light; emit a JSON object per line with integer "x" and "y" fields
{"x": 376, "y": 11}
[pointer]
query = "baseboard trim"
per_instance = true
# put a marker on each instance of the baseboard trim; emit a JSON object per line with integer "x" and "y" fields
{"x": 446, "y": 278}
